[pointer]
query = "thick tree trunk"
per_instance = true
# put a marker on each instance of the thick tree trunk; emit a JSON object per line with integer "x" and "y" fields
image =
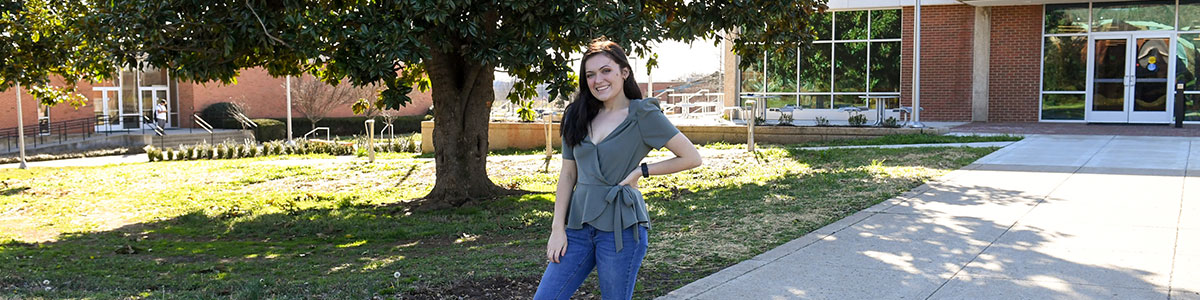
{"x": 461, "y": 107}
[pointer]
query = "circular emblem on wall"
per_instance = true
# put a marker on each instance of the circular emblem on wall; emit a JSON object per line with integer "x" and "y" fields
{"x": 1152, "y": 66}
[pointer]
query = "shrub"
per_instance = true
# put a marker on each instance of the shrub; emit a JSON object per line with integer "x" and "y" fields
{"x": 150, "y": 152}
{"x": 220, "y": 115}
{"x": 786, "y": 119}
{"x": 858, "y": 120}
{"x": 269, "y": 130}
{"x": 891, "y": 122}
{"x": 170, "y": 154}
{"x": 759, "y": 121}
{"x": 822, "y": 121}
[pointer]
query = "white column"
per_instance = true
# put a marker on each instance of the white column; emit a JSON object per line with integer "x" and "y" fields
{"x": 20, "y": 128}
{"x": 916, "y": 113}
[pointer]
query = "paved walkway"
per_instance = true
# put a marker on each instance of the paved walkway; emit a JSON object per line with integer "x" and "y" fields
{"x": 1050, "y": 217}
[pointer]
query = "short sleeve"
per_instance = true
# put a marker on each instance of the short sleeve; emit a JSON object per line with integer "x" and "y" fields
{"x": 656, "y": 129}
{"x": 568, "y": 151}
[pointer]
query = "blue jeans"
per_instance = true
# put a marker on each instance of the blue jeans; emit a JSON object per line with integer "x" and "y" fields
{"x": 590, "y": 248}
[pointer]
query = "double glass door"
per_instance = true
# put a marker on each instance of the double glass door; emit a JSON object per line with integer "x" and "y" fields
{"x": 1129, "y": 78}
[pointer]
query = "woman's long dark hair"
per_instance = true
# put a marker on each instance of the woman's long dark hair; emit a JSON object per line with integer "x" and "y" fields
{"x": 585, "y": 107}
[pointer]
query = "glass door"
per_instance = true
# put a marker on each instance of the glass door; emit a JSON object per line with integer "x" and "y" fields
{"x": 107, "y": 108}
{"x": 1150, "y": 80}
{"x": 150, "y": 97}
{"x": 1129, "y": 81}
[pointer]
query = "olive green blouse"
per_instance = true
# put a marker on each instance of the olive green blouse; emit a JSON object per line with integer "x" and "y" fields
{"x": 597, "y": 200}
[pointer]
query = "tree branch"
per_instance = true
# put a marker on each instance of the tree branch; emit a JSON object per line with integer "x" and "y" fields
{"x": 264, "y": 26}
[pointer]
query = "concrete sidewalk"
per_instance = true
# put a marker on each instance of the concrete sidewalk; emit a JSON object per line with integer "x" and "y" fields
{"x": 1049, "y": 217}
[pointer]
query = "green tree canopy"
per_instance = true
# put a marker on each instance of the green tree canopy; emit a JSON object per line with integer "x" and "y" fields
{"x": 449, "y": 46}
{"x": 39, "y": 40}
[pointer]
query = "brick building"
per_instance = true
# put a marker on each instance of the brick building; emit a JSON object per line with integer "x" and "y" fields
{"x": 997, "y": 60}
{"x": 120, "y": 103}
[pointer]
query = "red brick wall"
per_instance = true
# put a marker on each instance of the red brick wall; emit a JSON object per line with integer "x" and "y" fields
{"x": 29, "y": 105}
{"x": 1015, "y": 69}
{"x": 946, "y": 61}
{"x": 8, "y": 108}
{"x": 265, "y": 97}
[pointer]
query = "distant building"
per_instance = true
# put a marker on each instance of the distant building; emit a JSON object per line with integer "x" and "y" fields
{"x": 121, "y": 103}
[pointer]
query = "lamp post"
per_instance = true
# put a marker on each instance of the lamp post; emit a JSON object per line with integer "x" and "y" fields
{"x": 916, "y": 113}
{"x": 20, "y": 129}
{"x": 289, "y": 110}
{"x": 750, "y": 125}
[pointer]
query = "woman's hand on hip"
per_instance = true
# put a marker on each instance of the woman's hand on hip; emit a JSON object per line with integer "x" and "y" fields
{"x": 632, "y": 179}
{"x": 556, "y": 247}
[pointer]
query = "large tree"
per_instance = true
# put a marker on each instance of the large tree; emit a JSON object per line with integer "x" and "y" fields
{"x": 450, "y": 46}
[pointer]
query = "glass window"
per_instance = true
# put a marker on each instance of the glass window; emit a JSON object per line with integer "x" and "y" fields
{"x": 1062, "y": 106}
{"x": 1067, "y": 18}
{"x": 1189, "y": 14}
{"x": 840, "y": 101}
{"x": 1187, "y": 60}
{"x": 1133, "y": 16}
{"x": 752, "y": 77}
{"x": 885, "y": 66}
{"x": 885, "y": 24}
{"x": 851, "y": 25}
{"x": 781, "y": 101}
{"x": 781, "y": 67}
{"x": 814, "y": 101}
{"x": 1065, "y": 68}
{"x": 822, "y": 24}
{"x": 815, "y": 69}
{"x": 153, "y": 76}
{"x": 1191, "y": 107}
{"x": 850, "y": 67}
{"x": 1187, "y": 66}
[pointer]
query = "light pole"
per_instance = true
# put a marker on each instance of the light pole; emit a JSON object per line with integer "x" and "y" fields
{"x": 916, "y": 113}
{"x": 20, "y": 128}
{"x": 289, "y": 110}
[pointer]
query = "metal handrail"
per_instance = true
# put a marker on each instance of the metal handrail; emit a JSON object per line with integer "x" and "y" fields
{"x": 203, "y": 124}
{"x": 246, "y": 122}
{"x": 158, "y": 130}
{"x": 83, "y": 126}
{"x": 326, "y": 129}
{"x": 390, "y": 130}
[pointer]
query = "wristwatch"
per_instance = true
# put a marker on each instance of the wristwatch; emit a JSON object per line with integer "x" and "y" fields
{"x": 645, "y": 171}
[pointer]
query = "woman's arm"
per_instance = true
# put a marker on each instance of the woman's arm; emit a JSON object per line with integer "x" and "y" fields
{"x": 686, "y": 157}
{"x": 557, "y": 245}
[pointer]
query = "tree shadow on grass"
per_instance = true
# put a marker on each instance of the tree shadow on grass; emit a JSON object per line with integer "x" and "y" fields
{"x": 13, "y": 191}
{"x": 342, "y": 252}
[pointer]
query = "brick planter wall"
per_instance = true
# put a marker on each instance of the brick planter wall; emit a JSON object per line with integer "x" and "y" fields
{"x": 503, "y": 135}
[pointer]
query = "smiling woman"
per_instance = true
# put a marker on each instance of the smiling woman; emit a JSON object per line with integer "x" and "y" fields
{"x": 600, "y": 219}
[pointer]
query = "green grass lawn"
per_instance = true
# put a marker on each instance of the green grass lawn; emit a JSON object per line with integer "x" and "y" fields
{"x": 302, "y": 227}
